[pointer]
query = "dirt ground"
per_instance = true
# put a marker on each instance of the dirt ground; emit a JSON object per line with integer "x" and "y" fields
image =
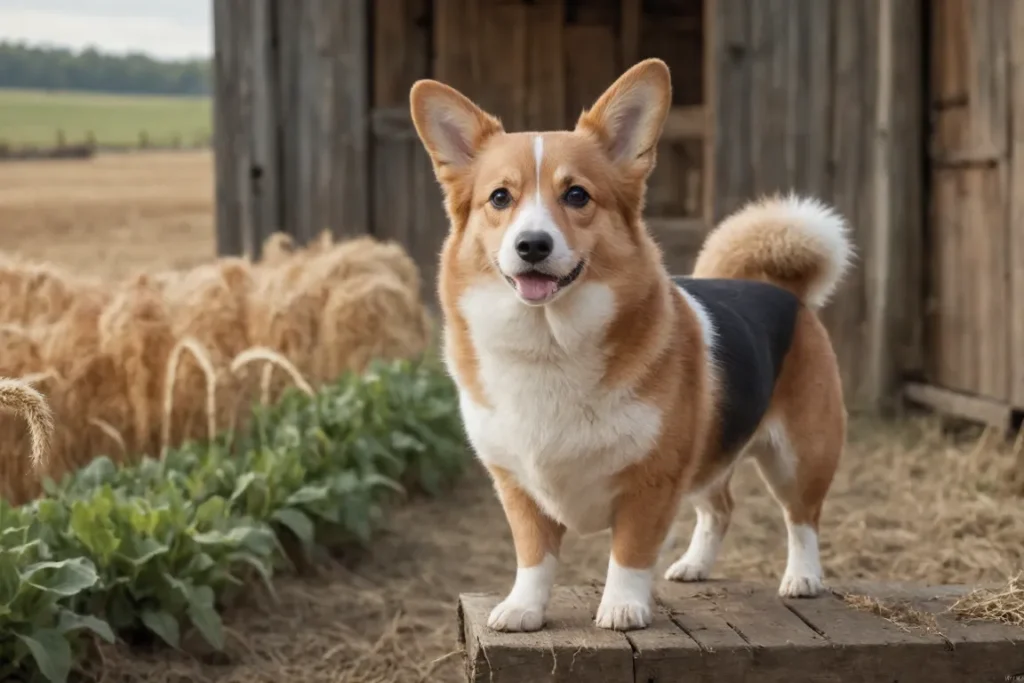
{"x": 909, "y": 503}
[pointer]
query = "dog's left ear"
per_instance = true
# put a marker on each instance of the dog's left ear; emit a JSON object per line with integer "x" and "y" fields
{"x": 629, "y": 115}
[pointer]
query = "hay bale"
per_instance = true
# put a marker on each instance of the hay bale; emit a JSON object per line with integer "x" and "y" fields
{"x": 135, "y": 329}
{"x": 134, "y": 366}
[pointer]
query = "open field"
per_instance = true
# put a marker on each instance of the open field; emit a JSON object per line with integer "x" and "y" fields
{"x": 34, "y": 117}
{"x": 110, "y": 215}
{"x": 909, "y": 503}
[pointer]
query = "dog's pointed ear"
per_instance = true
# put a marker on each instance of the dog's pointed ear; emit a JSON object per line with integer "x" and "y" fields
{"x": 452, "y": 128}
{"x": 630, "y": 114}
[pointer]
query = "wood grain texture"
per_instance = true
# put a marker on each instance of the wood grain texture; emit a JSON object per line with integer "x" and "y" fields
{"x": 1015, "y": 252}
{"x": 971, "y": 54}
{"x": 733, "y": 631}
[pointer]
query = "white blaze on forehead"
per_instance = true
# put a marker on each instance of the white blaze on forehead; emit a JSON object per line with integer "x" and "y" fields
{"x": 538, "y": 157}
{"x": 534, "y": 215}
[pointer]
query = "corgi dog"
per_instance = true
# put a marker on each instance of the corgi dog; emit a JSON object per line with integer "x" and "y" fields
{"x": 599, "y": 391}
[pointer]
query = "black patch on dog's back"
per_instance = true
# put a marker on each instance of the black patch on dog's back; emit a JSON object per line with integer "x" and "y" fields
{"x": 754, "y": 324}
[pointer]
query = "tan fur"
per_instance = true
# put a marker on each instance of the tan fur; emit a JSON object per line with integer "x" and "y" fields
{"x": 653, "y": 343}
{"x": 533, "y": 533}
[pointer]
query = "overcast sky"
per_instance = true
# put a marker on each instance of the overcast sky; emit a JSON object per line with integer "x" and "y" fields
{"x": 166, "y": 29}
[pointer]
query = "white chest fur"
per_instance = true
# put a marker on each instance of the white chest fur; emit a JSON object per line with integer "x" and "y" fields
{"x": 549, "y": 421}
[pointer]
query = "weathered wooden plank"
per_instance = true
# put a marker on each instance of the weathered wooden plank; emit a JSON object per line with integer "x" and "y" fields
{"x": 731, "y": 631}
{"x": 1015, "y": 250}
{"x": 974, "y": 408}
{"x": 771, "y": 147}
{"x": 456, "y": 36}
{"x": 229, "y": 78}
{"x": 906, "y": 194}
{"x": 948, "y": 53}
{"x": 727, "y": 166}
{"x": 324, "y": 114}
{"x": 680, "y": 241}
{"x": 265, "y": 171}
{"x": 978, "y": 130}
{"x": 503, "y": 88}
{"x": 971, "y": 312}
{"x": 631, "y": 16}
{"x": 854, "y": 93}
{"x": 401, "y": 49}
{"x": 544, "y": 84}
{"x": 569, "y": 648}
{"x": 590, "y": 66}
{"x": 685, "y": 123}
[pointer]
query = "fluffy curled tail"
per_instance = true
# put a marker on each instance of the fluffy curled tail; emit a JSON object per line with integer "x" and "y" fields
{"x": 794, "y": 242}
{"x": 23, "y": 400}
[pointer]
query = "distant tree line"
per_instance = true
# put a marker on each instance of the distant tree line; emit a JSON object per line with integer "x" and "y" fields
{"x": 24, "y": 66}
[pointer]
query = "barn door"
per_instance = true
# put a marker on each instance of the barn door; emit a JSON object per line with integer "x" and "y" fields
{"x": 975, "y": 336}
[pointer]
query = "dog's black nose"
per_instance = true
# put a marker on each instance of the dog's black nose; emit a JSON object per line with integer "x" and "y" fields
{"x": 534, "y": 246}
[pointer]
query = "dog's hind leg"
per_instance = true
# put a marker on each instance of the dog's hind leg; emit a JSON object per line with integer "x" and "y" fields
{"x": 714, "y": 511}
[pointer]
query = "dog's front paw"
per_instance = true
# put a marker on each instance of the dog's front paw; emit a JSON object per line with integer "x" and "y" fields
{"x": 794, "y": 586}
{"x": 623, "y": 616}
{"x": 516, "y": 617}
{"x": 687, "y": 570}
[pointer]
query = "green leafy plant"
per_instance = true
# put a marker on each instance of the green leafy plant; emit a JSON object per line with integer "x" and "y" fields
{"x": 149, "y": 550}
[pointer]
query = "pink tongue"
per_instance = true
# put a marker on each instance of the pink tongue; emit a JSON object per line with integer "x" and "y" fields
{"x": 535, "y": 287}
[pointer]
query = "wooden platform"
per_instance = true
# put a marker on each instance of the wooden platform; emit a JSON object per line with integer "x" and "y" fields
{"x": 725, "y": 632}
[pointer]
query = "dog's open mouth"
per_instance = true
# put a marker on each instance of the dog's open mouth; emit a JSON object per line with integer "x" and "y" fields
{"x": 537, "y": 287}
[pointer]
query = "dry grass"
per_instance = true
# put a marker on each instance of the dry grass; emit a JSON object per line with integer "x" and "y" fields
{"x": 901, "y": 614}
{"x": 136, "y": 365}
{"x": 1004, "y": 604}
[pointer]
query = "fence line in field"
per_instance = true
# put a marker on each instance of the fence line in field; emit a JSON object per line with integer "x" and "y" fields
{"x": 90, "y": 145}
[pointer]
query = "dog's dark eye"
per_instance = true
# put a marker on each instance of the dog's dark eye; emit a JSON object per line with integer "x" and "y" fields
{"x": 501, "y": 198}
{"x": 576, "y": 197}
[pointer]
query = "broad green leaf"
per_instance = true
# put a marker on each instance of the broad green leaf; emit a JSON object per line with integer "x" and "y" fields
{"x": 65, "y": 578}
{"x": 143, "y": 550}
{"x": 212, "y": 510}
{"x": 203, "y": 614}
{"x": 307, "y": 495}
{"x": 10, "y": 579}
{"x": 70, "y": 621}
{"x": 241, "y": 485}
{"x": 163, "y": 625}
{"x": 298, "y": 523}
{"x": 263, "y": 569}
{"x": 51, "y": 651}
{"x": 90, "y": 522}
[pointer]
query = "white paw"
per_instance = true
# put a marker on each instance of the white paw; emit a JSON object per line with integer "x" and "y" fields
{"x": 801, "y": 586}
{"x": 516, "y": 617}
{"x": 686, "y": 570}
{"x": 623, "y": 616}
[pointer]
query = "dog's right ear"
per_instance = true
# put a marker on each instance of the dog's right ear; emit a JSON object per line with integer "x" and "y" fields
{"x": 452, "y": 128}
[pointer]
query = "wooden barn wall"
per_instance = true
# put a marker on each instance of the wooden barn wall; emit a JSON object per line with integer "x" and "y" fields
{"x": 825, "y": 97}
{"x": 290, "y": 120}
{"x": 976, "y": 228}
{"x": 536, "y": 65}
{"x": 312, "y": 121}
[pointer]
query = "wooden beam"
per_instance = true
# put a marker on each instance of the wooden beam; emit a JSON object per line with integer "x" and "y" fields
{"x": 685, "y": 123}
{"x": 953, "y": 404}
